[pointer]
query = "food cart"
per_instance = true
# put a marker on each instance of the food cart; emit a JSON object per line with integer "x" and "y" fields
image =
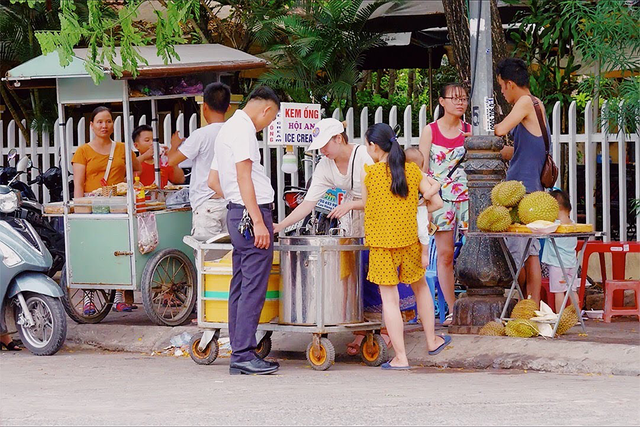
{"x": 104, "y": 252}
{"x": 317, "y": 283}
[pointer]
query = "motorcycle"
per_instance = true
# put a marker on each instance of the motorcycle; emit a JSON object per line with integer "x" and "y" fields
{"x": 30, "y": 300}
{"x": 50, "y": 231}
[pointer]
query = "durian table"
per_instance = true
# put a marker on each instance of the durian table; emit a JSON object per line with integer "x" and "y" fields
{"x": 516, "y": 265}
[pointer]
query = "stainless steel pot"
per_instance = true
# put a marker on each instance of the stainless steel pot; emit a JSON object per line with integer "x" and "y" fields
{"x": 320, "y": 280}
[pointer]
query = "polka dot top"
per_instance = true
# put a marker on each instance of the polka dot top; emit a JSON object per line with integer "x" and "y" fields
{"x": 389, "y": 220}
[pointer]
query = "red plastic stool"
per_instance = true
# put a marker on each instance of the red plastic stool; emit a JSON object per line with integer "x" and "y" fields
{"x": 620, "y": 285}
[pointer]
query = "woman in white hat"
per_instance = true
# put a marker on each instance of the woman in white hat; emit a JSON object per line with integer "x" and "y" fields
{"x": 341, "y": 167}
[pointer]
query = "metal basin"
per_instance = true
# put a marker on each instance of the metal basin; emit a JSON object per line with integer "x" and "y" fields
{"x": 320, "y": 280}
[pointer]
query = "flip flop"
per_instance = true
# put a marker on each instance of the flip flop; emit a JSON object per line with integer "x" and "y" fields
{"x": 387, "y": 367}
{"x": 447, "y": 341}
{"x": 353, "y": 349}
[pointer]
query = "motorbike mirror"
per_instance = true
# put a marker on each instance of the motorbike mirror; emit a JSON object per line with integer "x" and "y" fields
{"x": 12, "y": 154}
{"x": 29, "y": 163}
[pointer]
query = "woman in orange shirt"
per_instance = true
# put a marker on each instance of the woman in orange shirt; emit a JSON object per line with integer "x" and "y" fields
{"x": 90, "y": 161}
{"x": 89, "y": 166}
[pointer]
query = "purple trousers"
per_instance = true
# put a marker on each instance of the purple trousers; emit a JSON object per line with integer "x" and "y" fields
{"x": 251, "y": 269}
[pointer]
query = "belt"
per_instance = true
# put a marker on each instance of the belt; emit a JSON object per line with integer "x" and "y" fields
{"x": 269, "y": 206}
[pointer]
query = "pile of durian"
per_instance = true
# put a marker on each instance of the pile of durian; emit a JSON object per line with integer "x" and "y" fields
{"x": 528, "y": 320}
{"x": 510, "y": 205}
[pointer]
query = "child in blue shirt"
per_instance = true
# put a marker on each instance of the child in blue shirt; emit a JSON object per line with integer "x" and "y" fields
{"x": 567, "y": 251}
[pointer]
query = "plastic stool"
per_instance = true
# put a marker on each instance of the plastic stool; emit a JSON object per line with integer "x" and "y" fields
{"x": 613, "y": 310}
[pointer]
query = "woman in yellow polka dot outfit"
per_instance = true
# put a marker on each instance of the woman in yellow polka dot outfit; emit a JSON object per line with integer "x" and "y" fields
{"x": 390, "y": 196}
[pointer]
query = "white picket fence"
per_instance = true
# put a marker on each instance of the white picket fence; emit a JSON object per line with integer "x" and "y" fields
{"x": 44, "y": 153}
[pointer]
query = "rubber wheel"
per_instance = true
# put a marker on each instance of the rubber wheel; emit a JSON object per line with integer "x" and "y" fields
{"x": 73, "y": 301}
{"x": 206, "y": 357}
{"x": 374, "y": 353}
{"x": 48, "y": 333}
{"x": 169, "y": 287}
{"x": 264, "y": 347}
{"x": 325, "y": 359}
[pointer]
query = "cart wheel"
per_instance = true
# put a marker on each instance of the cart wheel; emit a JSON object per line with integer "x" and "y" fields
{"x": 264, "y": 347}
{"x": 169, "y": 287}
{"x": 374, "y": 353}
{"x": 322, "y": 360}
{"x": 74, "y": 301}
{"x": 208, "y": 355}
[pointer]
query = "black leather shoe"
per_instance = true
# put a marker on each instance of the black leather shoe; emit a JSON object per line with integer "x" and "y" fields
{"x": 255, "y": 366}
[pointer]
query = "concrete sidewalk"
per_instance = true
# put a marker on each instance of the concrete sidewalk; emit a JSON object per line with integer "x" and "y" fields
{"x": 607, "y": 349}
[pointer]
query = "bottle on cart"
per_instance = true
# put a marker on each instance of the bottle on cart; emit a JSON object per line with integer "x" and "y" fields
{"x": 138, "y": 189}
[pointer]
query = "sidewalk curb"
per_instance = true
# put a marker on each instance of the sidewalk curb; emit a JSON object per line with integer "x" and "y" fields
{"x": 465, "y": 351}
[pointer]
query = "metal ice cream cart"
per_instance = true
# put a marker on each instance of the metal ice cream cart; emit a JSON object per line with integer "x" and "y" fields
{"x": 102, "y": 247}
{"x": 314, "y": 288}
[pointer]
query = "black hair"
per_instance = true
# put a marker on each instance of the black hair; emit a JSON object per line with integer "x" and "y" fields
{"x": 265, "y": 93}
{"x": 99, "y": 110}
{"x": 563, "y": 199}
{"x": 217, "y": 96}
{"x": 514, "y": 69}
{"x": 443, "y": 93}
{"x": 383, "y": 136}
{"x": 137, "y": 131}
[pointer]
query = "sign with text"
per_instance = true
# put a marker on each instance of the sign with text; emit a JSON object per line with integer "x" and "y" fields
{"x": 293, "y": 124}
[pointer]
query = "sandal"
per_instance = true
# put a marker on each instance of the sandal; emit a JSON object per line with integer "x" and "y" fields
{"x": 448, "y": 320}
{"x": 353, "y": 349}
{"x": 89, "y": 309}
{"x": 122, "y": 307}
{"x": 447, "y": 341}
{"x": 12, "y": 346}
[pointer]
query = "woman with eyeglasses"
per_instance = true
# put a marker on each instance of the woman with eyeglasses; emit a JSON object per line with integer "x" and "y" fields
{"x": 442, "y": 142}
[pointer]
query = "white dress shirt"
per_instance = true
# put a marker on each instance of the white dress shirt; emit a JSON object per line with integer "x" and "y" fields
{"x": 237, "y": 142}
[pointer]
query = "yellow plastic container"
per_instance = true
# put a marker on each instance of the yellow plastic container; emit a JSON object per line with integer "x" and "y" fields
{"x": 216, "y": 290}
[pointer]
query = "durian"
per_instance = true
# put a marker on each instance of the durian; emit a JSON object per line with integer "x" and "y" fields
{"x": 493, "y": 328}
{"x": 568, "y": 320}
{"x": 508, "y": 193}
{"x": 538, "y": 205}
{"x": 524, "y": 309}
{"x": 521, "y": 328}
{"x": 494, "y": 218}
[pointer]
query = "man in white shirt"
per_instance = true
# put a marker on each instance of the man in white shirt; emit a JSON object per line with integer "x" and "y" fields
{"x": 236, "y": 172}
{"x": 209, "y": 209}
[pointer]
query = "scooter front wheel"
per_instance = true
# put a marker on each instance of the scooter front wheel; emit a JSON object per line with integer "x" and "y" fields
{"x": 49, "y": 329}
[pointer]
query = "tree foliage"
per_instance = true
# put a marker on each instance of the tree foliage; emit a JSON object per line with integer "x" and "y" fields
{"x": 245, "y": 24}
{"x": 19, "y": 22}
{"x": 560, "y": 37}
{"x": 112, "y": 37}
{"x": 323, "y": 46}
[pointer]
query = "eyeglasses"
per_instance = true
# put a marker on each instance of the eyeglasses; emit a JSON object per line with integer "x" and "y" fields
{"x": 457, "y": 100}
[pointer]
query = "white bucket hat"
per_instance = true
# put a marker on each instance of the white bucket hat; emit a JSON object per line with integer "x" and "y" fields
{"x": 324, "y": 130}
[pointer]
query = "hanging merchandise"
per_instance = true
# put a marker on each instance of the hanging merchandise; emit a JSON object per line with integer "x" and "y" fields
{"x": 148, "y": 238}
{"x": 289, "y": 161}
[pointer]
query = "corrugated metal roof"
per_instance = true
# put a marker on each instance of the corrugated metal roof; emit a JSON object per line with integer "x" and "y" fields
{"x": 193, "y": 58}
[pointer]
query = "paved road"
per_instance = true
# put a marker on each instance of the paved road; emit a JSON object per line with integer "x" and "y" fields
{"x": 84, "y": 387}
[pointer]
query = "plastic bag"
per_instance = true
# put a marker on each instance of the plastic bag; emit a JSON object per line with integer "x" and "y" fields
{"x": 178, "y": 199}
{"x": 148, "y": 238}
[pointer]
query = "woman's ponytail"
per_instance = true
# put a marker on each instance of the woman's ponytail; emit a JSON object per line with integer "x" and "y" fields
{"x": 396, "y": 162}
{"x": 383, "y": 136}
